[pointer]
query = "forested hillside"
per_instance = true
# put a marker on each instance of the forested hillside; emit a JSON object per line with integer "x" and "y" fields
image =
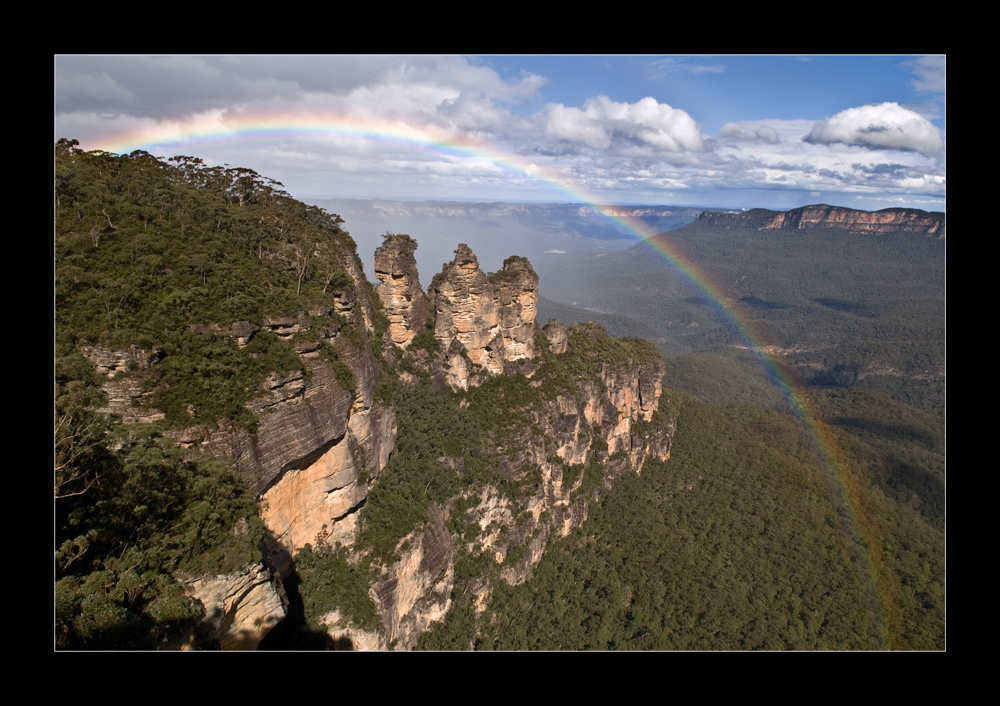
{"x": 158, "y": 261}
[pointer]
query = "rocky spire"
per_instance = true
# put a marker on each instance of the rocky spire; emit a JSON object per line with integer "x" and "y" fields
{"x": 492, "y": 316}
{"x": 401, "y": 294}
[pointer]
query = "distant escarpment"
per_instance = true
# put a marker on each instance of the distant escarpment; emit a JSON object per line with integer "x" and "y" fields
{"x": 887, "y": 220}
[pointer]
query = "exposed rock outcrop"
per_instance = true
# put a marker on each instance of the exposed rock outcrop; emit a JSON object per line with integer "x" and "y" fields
{"x": 606, "y": 418}
{"x": 321, "y": 498}
{"x": 556, "y": 333}
{"x": 492, "y": 316}
{"x": 416, "y": 590}
{"x": 238, "y": 609}
{"x": 346, "y": 636}
{"x": 887, "y": 220}
{"x": 321, "y": 439}
{"x": 404, "y": 300}
{"x": 126, "y": 393}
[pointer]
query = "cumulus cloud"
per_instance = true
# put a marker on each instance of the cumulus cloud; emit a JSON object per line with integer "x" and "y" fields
{"x": 174, "y": 86}
{"x": 765, "y": 133}
{"x": 883, "y": 126}
{"x": 641, "y": 150}
{"x": 602, "y": 121}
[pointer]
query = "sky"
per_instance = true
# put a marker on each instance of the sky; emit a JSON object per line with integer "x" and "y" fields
{"x": 773, "y": 132}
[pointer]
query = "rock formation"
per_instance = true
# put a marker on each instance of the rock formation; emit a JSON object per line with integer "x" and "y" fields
{"x": 556, "y": 333}
{"x": 416, "y": 590}
{"x": 316, "y": 450}
{"x": 400, "y": 292}
{"x": 238, "y": 609}
{"x": 484, "y": 325}
{"x": 491, "y": 316}
{"x": 888, "y": 220}
{"x": 126, "y": 394}
{"x": 320, "y": 443}
{"x": 318, "y": 447}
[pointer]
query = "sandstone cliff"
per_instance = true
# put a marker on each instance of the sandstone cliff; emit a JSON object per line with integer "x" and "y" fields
{"x": 238, "y": 609}
{"x": 323, "y": 437}
{"x": 491, "y": 316}
{"x": 569, "y": 449}
{"x": 404, "y": 300}
{"x": 317, "y": 447}
{"x": 888, "y": 220}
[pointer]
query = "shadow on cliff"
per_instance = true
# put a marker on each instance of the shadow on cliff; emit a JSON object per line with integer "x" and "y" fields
{"x": 293, "y": 633}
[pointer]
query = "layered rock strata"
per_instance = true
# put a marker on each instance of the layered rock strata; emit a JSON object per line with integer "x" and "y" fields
{"x": 404, "y": 300}
{"x": 416, "y": 590}
{"x": 127, "y": 395}
{"x": 317, "y": 448}
{"x": 888, "y": 220}
{"x": 599, "y": 421}
{"x": 491, "y": 316}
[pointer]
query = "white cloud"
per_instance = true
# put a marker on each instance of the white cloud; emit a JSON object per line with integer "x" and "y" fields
{"x": 603, "y": 121}
{"x": 883, "y": 126}
{"x": 642, "y": 150}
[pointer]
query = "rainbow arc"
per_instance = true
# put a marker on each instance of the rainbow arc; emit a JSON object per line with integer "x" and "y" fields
{"x": 216, "y": 129}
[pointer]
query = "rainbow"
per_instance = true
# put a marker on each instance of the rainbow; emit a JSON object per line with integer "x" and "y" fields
{"x": 219, "y": 128}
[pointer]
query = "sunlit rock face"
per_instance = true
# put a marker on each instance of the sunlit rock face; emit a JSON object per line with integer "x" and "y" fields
{"x": 416, "y": 590}
{"x": 492, "y": 316}
{"x": 238, "y": 609}
{"x": 319, "y": 501}
{"x": 400, "y": 292}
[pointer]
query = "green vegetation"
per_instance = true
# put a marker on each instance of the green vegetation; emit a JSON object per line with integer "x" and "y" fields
{"x": 131, "y": 515}
{"x": 329, "y": 581}
{"x": 737, "y": 542}
{"x": 744, "y": 539}
{"x": 159, "y": 259}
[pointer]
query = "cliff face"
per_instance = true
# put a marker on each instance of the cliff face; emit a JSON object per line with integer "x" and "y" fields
{"x": 888, "y": 220}
{"x": 596, "y": 426}
{"x": 238, "y": 609}
{"x": 491, "y": 316}
{"x": 317, "y": 448}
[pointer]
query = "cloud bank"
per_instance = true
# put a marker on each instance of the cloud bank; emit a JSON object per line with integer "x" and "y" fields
{"x": 641, "y": 150}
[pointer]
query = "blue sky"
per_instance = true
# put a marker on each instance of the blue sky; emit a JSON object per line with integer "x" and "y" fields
{"x": 737, "y": 131}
